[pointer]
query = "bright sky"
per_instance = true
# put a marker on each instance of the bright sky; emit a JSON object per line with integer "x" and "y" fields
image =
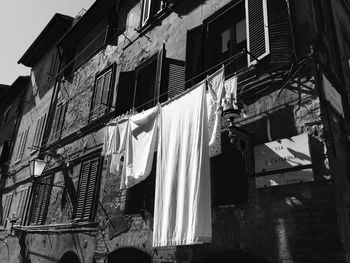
{"x": 21, "y": 21}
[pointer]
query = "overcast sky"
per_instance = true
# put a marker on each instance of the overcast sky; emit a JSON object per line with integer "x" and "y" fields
{"x": 21, "y": 21}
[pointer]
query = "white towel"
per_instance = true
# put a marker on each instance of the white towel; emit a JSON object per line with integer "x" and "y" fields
{"x": 111, "y": 139}
{"x": 182, "y": 210}
{"x": 118, "y": 153}
{"x": 140, "y": 147}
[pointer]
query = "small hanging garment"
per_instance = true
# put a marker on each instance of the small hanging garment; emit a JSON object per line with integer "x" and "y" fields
{"x": 214, "y": 96}
{"x": 140, "y": 147}
{"x": 110, "y": 140}
{"x": 230, "y": 97}
{"x": 116, "y": 158}
{"x": 182, "y": 210}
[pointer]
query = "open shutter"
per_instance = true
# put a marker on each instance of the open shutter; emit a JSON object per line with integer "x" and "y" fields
{"x": 81, "y": 193}
{"x": 97, "y": 97}
{"x": 194, "y": 54}
{"x": 61, "y": 120}
{"x": 41, "y": 200}
{"x": 91, "y": 190}
{"x": 106, "y": 91}
{"x": 125, "y": 92}
{"x": 159, "y": 73}
{"x": 279, "y": 32}
{"x": 257, "y": 29}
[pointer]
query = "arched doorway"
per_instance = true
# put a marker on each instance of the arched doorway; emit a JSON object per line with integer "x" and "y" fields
{"x": 69, "y": 257}
{"x": 129, "y": 255}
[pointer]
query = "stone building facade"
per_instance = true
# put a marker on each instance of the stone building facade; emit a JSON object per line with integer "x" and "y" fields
{"x": 290, "y": 58}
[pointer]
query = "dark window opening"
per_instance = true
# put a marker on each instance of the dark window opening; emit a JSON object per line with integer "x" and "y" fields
{"x": 227, "y": 37}
{"x": 141, "y": 196}
{"x": 228, "y": 175}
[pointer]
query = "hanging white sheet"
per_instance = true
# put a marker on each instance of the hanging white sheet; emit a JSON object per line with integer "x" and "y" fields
{"x": 182, "y": 211}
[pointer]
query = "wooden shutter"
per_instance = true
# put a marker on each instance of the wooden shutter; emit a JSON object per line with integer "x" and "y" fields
{"x": 105, "y": 101}
{"x": 7, "y": 206}
{"x": 125, "y": 92}
{"x": 58, "y": 121}
{"x": 39, "y": 131}
{"x": 22, "y": 205}
{"x": 159, "y": 72}
{"x": 87, "y": 190}
{"x": 41, "y": 200}
{"x": 97, "y": 97}
{"x": 257, "y": 29}
{"x": 22, "y": 143}
{"x": 279, "y": 32}
{"x": 175, "y": 78}
{"x": 194, "y": 54}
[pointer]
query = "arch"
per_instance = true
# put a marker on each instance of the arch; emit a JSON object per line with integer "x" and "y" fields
{"x": 231, "y": 256}
{"x": 69, "y": 257}
{"x": 129, "y": 254}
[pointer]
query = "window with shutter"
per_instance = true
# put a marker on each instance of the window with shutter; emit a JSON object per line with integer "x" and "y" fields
{"x": 6, "y": 208}
{"x": 103, "y": 93}
{"x": 41, "y": 199}
{"x": 23, "y": 205}
{"x": 21, "y": 144}
{"x": 58, "y": 121}
{"x": 39, "y": 130}
{"x": 87, "y": 193}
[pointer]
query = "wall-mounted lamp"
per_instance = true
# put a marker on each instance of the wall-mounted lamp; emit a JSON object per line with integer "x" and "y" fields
{"x": 37, "y": 167}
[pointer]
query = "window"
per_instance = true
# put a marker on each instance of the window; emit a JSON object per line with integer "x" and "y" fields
{"x": 23, "y": 205}
{"x": 39, "y": 131}
{"x": 149, "y": 9}
{"x": 6, "y": 208}
{"x": 159, "y": 76}
{"x": 141, "y": 196}
{"x": 103, "y": 93}
{"x": 58, "y": 121}
{"x": 21, "y": 144}
{"x": 262, "y": 27}
{"x": 88, "y": 189}
{"x": 41, "y": 199}
{"x": 229, "y": 174}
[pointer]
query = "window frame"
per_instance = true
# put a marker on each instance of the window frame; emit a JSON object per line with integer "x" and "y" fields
{"x": 108, "y": 106}
{"x": 146, "y": 16}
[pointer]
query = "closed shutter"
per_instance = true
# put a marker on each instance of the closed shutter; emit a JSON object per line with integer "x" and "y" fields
{"x": 257, "y": 29}
{"x": 39, "y": 131}
{"x": 7, "y": 206}
{"x": 175, "y": 79}
{"x": 194, "y": 54}
{"x": 41, "y": 200}
{"x": 25, "y": 205}
{"x": 87, "y": 190}
{"x": 22, "y": 144}
{"x": 125, "y": 92}
{"x": 61, "y": 119}
{"x": 279, "y": 32}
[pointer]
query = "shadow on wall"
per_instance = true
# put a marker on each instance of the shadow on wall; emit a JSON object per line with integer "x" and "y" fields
{"x": 232, "y": 256}
{"x": 69, "y": 257}
{"x": 185, "y": 7}
{"x": 129, "y": 254}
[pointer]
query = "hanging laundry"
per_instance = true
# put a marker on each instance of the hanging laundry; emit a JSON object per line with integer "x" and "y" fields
{"x": 215, "y": 94}
{"x": 182, "y": 207}
{"x": 118, "y": 153}
{"x": 140, "y": 147}
{"x": 110, "y": 140}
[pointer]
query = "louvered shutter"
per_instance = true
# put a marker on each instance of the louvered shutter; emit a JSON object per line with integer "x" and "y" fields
{"x": 175, "y": 78}
{"x": 87, "y": 190}
{"x": 54, "y": 123}
{"x": 279, "y": 32}
{"x": 81, "y": 193}
{"x": 257, "y": 29}
{"x": 25, "y": 205}
{"x": 194, "y": 54}
{"x": 159, "y": 73}
{"x": 91, "y": 189}
{"x": 125, "y": 91}
{"x": 106, "y": 92}
{"x": 7, "y": 206}
{"x": 97, "y": 97}
{"x": 61, "y": 119}
{"x": 39, "y": 131}
{"x": 41, "y": 200}
{"x": 22, "y": 144}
